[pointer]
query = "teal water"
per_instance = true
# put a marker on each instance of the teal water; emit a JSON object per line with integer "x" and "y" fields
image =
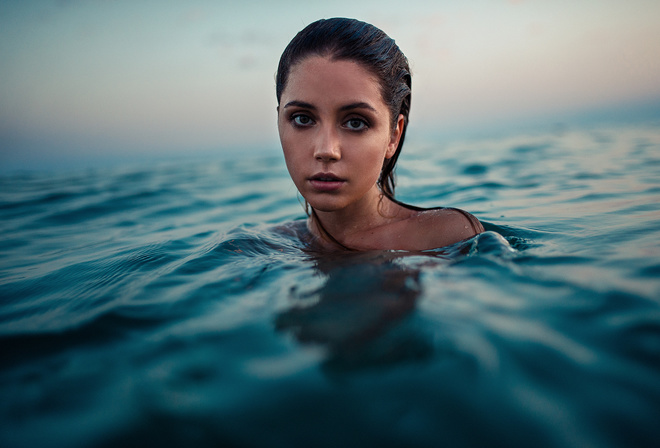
{"x": 176, "y": 305}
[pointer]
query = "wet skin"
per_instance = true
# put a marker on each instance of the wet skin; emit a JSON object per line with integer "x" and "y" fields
{"x": 336, "y": 131}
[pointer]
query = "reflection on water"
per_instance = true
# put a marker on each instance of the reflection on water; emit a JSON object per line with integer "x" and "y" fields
{"x": 359, "y": 313}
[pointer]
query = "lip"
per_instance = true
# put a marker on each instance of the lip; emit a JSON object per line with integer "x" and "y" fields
{"x": 326, "y": 181}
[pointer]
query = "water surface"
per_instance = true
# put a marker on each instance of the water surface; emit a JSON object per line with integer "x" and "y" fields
{"x": 175, "y": 305}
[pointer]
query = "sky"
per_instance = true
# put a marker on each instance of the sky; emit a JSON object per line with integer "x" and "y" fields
{"x": 91, "y": 82}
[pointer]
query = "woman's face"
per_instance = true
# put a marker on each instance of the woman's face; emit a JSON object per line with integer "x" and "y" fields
{"x": 335, "y": 132}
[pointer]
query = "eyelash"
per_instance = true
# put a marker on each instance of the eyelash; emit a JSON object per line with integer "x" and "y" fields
{"x": 294, "y": 119}
{"x": 363, "y": 123}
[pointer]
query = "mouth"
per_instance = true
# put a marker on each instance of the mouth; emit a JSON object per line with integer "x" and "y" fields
{"x": 326, "y": 177}
{"x": 326, "y": 181}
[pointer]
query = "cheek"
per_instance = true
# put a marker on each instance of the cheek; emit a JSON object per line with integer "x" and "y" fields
{"x": 295, "y": 145}
{"x": 280, "y": 129}
{"x": 285, "y": 140}
{"x": 292, "y": 157}
{"x": 289, "y": 148}
{"x": 372, "y": 160}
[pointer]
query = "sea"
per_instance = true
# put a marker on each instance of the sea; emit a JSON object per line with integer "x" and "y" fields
{"x": 176, "y": 304}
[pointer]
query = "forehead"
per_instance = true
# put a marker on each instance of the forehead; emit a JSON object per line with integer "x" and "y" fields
{"x": 324, "y": 78}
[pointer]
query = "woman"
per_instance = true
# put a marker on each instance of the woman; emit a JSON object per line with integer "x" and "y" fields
{"x": 343, "y": 94}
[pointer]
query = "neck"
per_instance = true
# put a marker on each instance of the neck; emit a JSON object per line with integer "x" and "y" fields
{"x": 352, "y": 225}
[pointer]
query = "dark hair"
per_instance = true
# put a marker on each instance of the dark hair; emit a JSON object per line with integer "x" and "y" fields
{"x": 350, "y": 39}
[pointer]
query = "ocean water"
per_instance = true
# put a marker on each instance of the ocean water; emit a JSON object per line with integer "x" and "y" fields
{"x": 176, "y": 305}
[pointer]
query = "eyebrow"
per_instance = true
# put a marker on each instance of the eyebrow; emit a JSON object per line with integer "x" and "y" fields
{"x": 299, "y": 104}
{"x": 358, "y": 105}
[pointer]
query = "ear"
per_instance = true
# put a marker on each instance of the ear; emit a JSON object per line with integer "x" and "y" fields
{"x": 395, "y": 137}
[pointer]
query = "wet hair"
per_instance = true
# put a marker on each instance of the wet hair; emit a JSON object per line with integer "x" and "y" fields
{"x": 352, "y": 40}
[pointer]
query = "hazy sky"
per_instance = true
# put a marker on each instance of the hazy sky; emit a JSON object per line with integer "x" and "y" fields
{"x": 121, "y": 78}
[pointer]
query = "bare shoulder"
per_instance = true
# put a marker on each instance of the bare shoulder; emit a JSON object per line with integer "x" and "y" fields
{"x": 445, "y": 226}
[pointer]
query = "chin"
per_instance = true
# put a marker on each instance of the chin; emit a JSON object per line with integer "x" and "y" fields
{"x": 327, "y": 205}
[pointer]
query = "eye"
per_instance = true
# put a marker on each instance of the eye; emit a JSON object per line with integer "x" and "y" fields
{"x": 356, "y": 124}
{"x": 302, "y": 120}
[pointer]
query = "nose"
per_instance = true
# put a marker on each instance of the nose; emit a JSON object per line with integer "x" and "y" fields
{"x": 327, "y": 147}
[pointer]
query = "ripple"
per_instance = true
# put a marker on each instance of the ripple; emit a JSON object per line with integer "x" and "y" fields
{"x": 179, "y": 304}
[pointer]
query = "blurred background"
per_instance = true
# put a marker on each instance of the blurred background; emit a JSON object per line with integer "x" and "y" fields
{"x": 97, "y": 83}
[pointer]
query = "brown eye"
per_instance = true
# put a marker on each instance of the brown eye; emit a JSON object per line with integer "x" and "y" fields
{"x": 302, "y": 120}
{"x": 356, "y": 124}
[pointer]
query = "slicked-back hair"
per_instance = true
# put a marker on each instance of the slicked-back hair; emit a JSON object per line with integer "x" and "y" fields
{"x": 353, "y": 40}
